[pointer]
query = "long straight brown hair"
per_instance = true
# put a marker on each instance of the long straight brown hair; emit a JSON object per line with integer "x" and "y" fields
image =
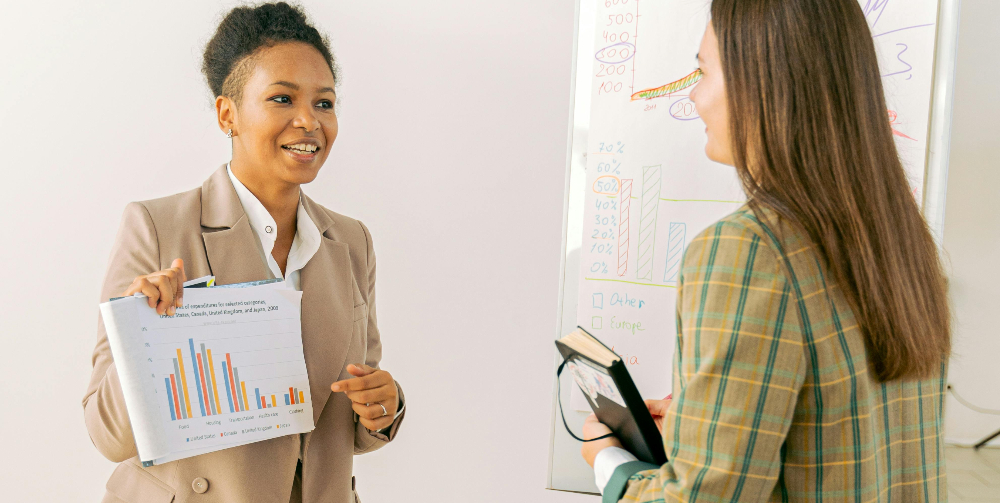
{"x": 813, "y": 142}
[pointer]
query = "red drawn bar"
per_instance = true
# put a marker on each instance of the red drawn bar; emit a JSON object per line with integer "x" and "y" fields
{"x": 292, "y": 394}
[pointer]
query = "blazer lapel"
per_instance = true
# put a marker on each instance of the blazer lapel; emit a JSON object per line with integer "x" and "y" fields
{"x": 228, "y": 237}
{"x": 327, "y": 317}
{"x": 327, "y": 308}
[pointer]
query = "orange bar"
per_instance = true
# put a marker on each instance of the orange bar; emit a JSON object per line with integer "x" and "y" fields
{"x": 232, "y": 383}
{"x": 291, "y": 393}
{"x": 204, "y": 386}
{"x": 301, "y": 399}
{"x": 272, "y": 400}
{"x": 215, "y": 389}
{"x": 245, "y": 401}
{"x": 177, "y": 404}
{"x": 184, "y": 383}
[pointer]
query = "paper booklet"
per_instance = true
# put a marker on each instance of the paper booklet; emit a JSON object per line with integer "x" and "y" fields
{"x": 226, "y": 370}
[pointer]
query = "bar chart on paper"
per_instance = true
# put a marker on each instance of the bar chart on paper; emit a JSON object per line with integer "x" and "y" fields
{"x": 227, "y": 369}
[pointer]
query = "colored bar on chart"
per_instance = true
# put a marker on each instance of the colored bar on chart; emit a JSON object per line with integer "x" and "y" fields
{"x": 215, "y": 378}
{"x": 197, "y": 382}
{"x": 256, "y": 392}
{"x": 272, "y": 400}
{"x": 170, "y": 399}
{"x": 184, "y": 383}
{"x": 243, "y": 386}
{"x": 208, "y": 383}
{"x": 225, "y": 380}
{"x": 204, "y": 387}
{"x": 292, "y": 393}
{"x": 625, "y": 207}
{"x": 232, "y": 382}
{"x": 181, "y": 392}
{"x": 301, "y": 399}
{"x": 286, "y": 399}
{"x": 239, "y": 384}
{"x": 177, "y": 403}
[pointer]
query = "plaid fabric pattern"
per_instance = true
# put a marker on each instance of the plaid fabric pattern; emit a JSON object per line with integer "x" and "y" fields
{"x": 773, "y": 399}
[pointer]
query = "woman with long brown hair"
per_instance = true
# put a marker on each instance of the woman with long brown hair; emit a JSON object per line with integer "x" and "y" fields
{"x": 813, "y": 322}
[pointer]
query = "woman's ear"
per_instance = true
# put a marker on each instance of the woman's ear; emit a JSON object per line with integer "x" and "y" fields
{"x": 225, "y": 111}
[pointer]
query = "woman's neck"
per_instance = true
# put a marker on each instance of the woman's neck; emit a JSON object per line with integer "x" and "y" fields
{"x": 281, "y": 199}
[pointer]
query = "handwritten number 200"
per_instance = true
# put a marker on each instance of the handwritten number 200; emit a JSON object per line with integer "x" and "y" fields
{"x": 610, "y": 70}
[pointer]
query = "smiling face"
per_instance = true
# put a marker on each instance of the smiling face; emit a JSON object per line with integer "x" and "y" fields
{"x": 709, "y": 96}
{"x": 288, "y": 101}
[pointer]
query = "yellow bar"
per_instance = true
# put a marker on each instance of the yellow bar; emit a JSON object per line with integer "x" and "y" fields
{"x": 215, "y": 389}
{"x": 184, "y": 381}
{"x": 247, "y": 402}
{"x": 272, "y": 400}
{"x": 301, "y": 399}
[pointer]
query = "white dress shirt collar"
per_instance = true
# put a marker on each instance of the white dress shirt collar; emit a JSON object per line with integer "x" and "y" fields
{"x": 304, "y": 244}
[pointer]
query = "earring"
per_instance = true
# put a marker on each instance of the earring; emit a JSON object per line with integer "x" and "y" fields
{"x": 229, "y": 134}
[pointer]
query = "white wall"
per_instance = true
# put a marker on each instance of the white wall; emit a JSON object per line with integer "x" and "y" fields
{"x": 451, "y": 149}
{"x": 972, "y": 224}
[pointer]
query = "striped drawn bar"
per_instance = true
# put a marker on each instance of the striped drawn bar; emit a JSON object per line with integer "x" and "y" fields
{"x": 650, "y": 203}
{"x": 624, "y": 204}
{"x": 675, "y": 251}
{"x": 667, "y": 89}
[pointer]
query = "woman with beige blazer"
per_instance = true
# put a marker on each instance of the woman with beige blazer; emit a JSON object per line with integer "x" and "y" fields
{"x": 273, "y": 78}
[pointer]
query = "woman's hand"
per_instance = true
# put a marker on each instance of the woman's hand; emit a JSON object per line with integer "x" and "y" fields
{"x": 593, "y": 428}
{"x": 658, "y": 409}
{"x": 164, "y": 289}
{"x": 367, "y": 389}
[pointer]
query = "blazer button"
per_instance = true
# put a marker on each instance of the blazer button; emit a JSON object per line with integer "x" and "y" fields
{"x": 199, "y": 485}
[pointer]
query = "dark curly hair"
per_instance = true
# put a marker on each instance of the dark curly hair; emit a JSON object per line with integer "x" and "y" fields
{"x": 232, "y": 52}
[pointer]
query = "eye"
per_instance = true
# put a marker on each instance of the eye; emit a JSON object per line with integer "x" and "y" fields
{"x": 327, "y": 102}
{"x": 279, "y": 97}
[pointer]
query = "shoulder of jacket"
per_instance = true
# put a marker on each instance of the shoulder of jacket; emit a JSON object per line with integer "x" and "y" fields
{"x": 172, "y": 206}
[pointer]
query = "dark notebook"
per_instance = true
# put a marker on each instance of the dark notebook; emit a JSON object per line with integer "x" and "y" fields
{"x": 609, "y": 389}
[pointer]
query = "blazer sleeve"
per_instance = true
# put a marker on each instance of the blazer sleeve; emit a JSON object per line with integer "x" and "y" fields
{"x": 366, "y": 440}
{"x": 135, "y": 253}
{"x": 739, "y": 367}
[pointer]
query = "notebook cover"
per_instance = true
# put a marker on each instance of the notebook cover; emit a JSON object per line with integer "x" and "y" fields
{"x": 632, "y": 424}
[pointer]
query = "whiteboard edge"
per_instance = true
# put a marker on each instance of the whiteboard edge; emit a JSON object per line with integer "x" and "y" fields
{"x": 942, "y": 98}
{"x": 565, "y": 231}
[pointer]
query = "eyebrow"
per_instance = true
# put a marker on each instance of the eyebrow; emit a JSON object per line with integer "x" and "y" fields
{"x": 296, "y": 87}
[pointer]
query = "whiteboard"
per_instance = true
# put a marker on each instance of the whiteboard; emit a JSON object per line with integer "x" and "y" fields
{"x": 639, "y": 185}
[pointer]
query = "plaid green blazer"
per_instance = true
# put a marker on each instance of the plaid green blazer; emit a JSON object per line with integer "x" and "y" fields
{"x": 772, "y": 395}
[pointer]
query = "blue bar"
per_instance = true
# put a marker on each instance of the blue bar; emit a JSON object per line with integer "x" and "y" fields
{"x": 225, "y": 377}
{"x": 197, "y": 380}
{"x": 286, "y": 400}
{"x": 170, "y": 399}
{"x": 257, "y": 392}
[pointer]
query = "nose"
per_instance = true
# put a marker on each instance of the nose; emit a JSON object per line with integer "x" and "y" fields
{"x": 306, "y": 119}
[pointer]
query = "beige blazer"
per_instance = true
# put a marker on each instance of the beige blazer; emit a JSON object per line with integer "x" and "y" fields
{"x": 208, "y": 229}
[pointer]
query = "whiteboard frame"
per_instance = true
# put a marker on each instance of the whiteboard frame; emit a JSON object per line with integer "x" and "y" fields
{"x": 933, "y": 198}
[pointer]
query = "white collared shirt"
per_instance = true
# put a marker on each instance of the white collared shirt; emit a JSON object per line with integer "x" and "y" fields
{"x": 304, "y": 244}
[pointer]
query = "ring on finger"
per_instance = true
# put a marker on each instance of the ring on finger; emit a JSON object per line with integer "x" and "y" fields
{"x": 384, "y": 412}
